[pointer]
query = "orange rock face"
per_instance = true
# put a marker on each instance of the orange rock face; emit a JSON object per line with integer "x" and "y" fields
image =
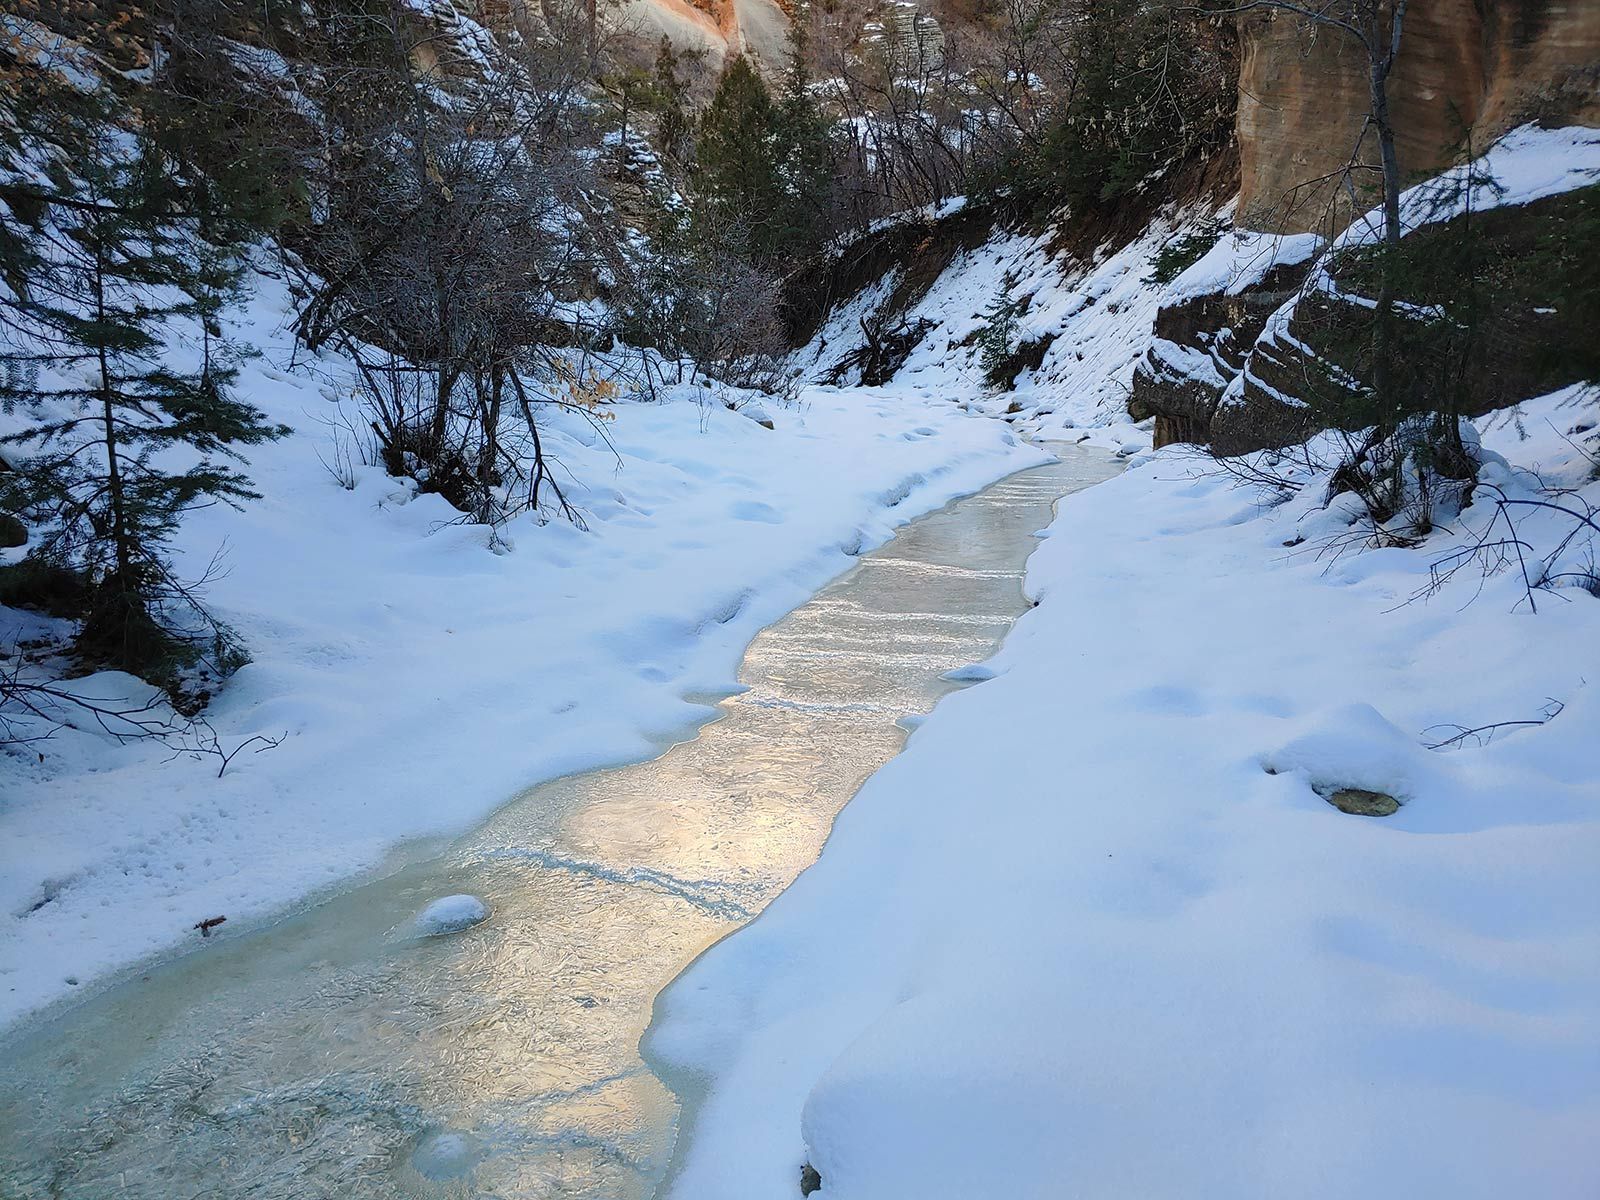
{"x": 1468, "y": 70}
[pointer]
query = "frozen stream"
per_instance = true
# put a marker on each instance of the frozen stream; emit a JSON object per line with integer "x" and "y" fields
{"x": 334, "y": 1054}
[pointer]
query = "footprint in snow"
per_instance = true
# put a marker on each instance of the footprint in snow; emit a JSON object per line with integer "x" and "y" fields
{"x": 755, "y": 510}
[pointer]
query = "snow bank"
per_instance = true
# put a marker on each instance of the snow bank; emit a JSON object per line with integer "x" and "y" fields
{"x": 420, "y": 672}
{"x": 1096, "y": 933}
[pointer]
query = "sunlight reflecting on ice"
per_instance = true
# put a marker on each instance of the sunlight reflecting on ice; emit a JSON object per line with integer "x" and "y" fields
{"x": 338, "y": 1054}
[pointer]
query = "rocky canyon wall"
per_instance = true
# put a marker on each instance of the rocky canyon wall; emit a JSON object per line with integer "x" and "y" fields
{"x": 1468, "y": 70}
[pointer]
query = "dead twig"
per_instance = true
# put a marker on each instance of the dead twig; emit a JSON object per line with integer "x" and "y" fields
{"x": 1484, "y": 734}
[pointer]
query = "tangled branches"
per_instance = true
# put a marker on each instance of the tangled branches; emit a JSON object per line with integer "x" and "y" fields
{"x": 1501, "y": 541}
{"x": 32, "y": 711}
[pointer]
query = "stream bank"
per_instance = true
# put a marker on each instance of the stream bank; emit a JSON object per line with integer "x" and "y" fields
{"x": 336, "y": 1053}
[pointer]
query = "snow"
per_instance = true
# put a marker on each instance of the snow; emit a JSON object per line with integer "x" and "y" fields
{"x": 467, "y": 36}
{"x": 971, "y": 673}
{"x": 36, "y": 44}
{"x": 1097, "y": 315}
{"x": 450, "y": 914}
{"x": 1097, "y": 933}
{"x": 421, "y": 670}
{"x": 1171, "y": 360}
{"x": 1527, "y": 164}
{"x": 1240, "y": 260}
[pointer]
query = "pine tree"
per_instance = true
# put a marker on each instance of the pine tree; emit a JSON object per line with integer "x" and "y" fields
{"x": 995, "y": 337}
{"x": 1143, "y": 85}
{"x": 804, "y": 155}
{"x": 766, "y": 163}
{"x": 123, "y": 439}
{"x": 738, "y": 166}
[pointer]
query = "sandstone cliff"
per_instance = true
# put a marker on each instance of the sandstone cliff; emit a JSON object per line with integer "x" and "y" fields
{"x": 1468, "y": 71}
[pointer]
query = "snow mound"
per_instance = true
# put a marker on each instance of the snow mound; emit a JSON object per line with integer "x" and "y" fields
{"x": 970, "y": 673}
{"x": 450, "y": 914}
{"x": 1355, "y": 747}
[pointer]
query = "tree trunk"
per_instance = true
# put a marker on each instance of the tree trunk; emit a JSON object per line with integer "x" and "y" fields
{"x": 539, "y": 473}
{"x": 1383, "y": 308}
{"x": 488, "y": 469}
{"x": 1381, "y": 53}
{"x": 622, "y": 143}
{"x": 439, "y": 426}
{"x": 121, "y": 534}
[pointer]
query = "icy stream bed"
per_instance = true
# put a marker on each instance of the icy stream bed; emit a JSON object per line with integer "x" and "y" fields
{"x": 341, "y": 1052}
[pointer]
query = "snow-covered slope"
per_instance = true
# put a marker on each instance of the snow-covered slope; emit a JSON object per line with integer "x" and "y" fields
{"x": 1096, "y": 932}
{"x": 423, "y": 673}
{"x": 1094, "y": 314}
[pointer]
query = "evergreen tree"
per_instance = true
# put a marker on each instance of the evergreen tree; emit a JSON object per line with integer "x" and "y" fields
{"x": 123, "y": 439}
{"x": 238, "y": 150}
{"x": 674, "y": 120}
{"x": 766, "y": 164}
{"x": 995, "y": 337}
{"x": 1143, "y": 85}
{"x": 805, "y": 157}
{"x": 737, "y": 159}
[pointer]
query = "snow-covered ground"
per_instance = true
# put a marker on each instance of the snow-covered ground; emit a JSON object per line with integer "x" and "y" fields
{"x": 1096, "y": 933}
{"x": 423, "y": 675}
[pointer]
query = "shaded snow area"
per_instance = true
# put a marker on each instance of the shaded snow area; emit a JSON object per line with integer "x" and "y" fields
{"x": 423, "y": 671}
{"x": 1097, "y": 932}
{"x": 1096, "y": 316}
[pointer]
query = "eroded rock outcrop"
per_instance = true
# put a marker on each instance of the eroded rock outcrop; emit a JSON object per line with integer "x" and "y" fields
{"x": 1209, "y": 321}
{"x": 1535, "y": 308}
{"x": 1200, "y": 346}
{"x": 1236, "y": 357}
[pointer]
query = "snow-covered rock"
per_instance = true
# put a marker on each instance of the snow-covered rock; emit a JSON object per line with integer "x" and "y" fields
{"x": 1515, "y": 192}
